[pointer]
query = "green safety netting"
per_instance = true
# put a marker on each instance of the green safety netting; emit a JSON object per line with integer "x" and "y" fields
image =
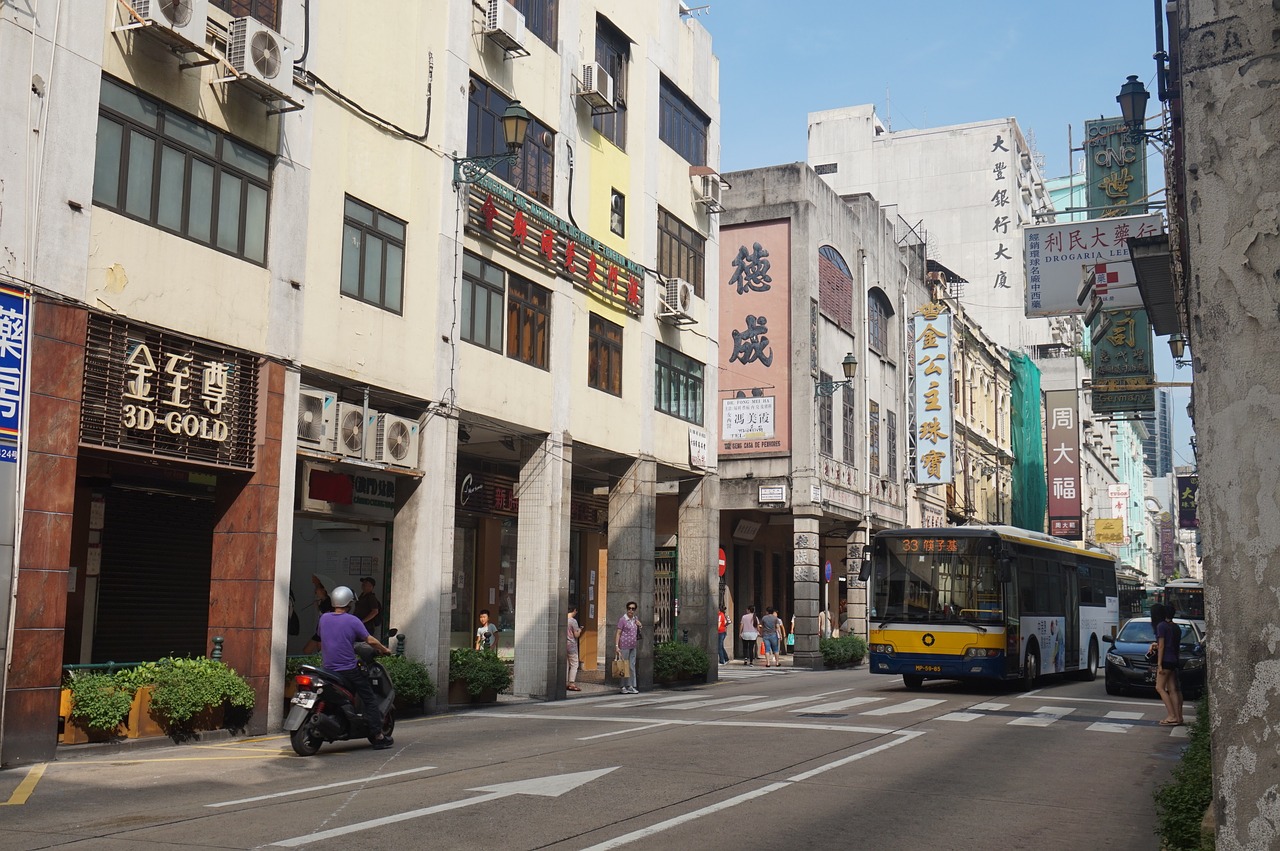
{"x": 1030, "y": 490}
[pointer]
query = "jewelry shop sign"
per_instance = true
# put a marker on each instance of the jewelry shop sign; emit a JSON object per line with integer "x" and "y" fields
{"x": 157, "y": 392}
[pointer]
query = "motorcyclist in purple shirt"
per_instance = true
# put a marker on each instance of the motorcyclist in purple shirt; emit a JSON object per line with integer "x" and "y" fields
{"x": 339, "y": 631}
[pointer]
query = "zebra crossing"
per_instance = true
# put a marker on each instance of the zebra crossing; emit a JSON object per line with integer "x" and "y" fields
{"x": 840, "y": 704}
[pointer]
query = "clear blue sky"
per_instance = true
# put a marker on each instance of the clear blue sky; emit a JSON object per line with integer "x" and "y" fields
{"x": 1050, "y": 65}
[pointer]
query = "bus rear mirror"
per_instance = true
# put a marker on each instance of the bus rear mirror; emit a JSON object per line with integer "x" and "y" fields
{"x": 864, "y": 570}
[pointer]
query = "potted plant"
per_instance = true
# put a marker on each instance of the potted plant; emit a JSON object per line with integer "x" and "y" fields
{"x": 95, "y": 706}
{"x": 476, "y": 676}
{"x": 675, "y": 661}
{"x": 843, "y": 652}
{"x": 411, "y": 679}
{"x": 191, "y": 695}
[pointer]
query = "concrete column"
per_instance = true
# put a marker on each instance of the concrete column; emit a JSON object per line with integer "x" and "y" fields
{"x": 699, "y": 553}
{"x": 422, "y": 555}
{"x": 856, "y": 592}
{"x": 632, "y": 518}
{"x": 542, "y": 568}
{"x": 806, "y": 538}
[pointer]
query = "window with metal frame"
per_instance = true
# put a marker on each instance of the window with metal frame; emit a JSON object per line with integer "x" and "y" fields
{"x": 267, "y": 11}
{"x": 533, "y": 172}
{"x": 879, "y": 313}
{"x": 826, "y": 415}
{"x": 528, "y": 322}
{"x": 540, "y": 18}
{"x": 873, "y": 437}
{"x": 848, "y": 422}
{"x": 612, "y": 52}
{"x": 682, "y": 252}
{"x": 483, "y": 295}
{"x": 678, "y": 385}
{"x": 167, "y": 169}
{"x": 617, "y": 212}
{"x": 604, "y": 356}
{"x": 372, "y": 256}
{"x": 682, "y": 125}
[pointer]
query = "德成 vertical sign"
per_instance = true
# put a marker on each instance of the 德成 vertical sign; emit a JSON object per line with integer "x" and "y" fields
{"x": 14, "y": 304}
{"x": 931, "y": 361}
{"x": 1062, "y": 460}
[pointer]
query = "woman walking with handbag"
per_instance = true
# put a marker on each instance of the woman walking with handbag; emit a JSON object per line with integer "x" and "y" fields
{"x": 749, "y": 632}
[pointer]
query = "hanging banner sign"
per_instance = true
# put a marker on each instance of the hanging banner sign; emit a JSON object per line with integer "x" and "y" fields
{"x": 1062, "y": 458}
{"x": 931, "y": 361}
{"x": 1123, "y": 364}
{"x": 14, "y": 304}
{"x": 1188, "y": 500}
{"x": 1058, "y": 257}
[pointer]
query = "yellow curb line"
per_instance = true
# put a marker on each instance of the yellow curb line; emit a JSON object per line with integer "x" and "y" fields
{"x": 26, "y": 787}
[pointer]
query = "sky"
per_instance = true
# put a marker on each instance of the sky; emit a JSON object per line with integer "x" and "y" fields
{"x": 1051, "y": 64}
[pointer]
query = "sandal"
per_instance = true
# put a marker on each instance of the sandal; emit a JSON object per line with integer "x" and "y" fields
{"x": 1168, "y": 723}
{"x": 572, "y": 687}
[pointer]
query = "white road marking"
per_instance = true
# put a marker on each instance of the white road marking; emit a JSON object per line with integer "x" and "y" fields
{"x": 713, "y": 701}
{"x": 837, "y": 705}
{"x": 988, "y": 707}
{"x": 961, "y": 716}
{"x": 627, "y": 730}
{"x": 780, "y": 702}
{"x": 371, "y": 779}
{"x": 1044, "y": 716}
{"x": 908, "y": 706}
{"x": 645, "y": 832}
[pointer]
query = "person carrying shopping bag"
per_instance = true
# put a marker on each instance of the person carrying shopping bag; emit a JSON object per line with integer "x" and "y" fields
{"x": 749, "y": 632}
{"x": 771, "y": 632}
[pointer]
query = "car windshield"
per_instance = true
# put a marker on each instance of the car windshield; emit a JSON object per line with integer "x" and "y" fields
{"x": 1137, "y": 631}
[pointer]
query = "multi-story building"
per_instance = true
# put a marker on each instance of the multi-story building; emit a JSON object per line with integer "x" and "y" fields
{"x": 1157, "y": 446}
{"x": 497, "y": 359}
{"x": 816, "y": 295}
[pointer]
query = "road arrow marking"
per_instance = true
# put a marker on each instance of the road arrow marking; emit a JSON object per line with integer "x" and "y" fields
{"x": 552, "y": 786}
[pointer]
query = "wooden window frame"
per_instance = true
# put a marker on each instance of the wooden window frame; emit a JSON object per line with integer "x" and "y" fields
{"x": 681, "y": 124}
{"x": 528, "y": 322}
{"x": 604, "y": 355}
{"x": 682, "y": 252}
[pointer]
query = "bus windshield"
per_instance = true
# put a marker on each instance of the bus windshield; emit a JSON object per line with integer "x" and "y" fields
{"x": 935, "y": 587}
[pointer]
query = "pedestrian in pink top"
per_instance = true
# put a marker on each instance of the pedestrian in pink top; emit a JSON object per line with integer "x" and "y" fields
{"x": 624, "y": 643}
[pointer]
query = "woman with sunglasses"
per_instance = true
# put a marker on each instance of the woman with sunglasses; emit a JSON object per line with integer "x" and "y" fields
{"x": 625, "y": 641}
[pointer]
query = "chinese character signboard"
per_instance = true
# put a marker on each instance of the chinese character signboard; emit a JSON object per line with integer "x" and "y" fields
{"x": 364, "y": 495}
{"x": 1062, "y": 457}
{"x": 755, "y": 338}
{"x": 1188, "y": 499}
{"x": 1168, "y": 549}
{"x": 1123, "y": 369}
{"x": 533, "y": 233}
{"x": 1119, "y": 496}
{"x": 1059, "y": 256}
{"x": 161, "y": 393}
{"x": 931, "y": 362}
{"x": 1108, "y": 530}
{"x": 1116, "y": 169}
{"x": 13, "y": 358}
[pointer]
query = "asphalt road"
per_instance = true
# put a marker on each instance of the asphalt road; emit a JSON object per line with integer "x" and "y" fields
{"x": 791, "y": 759}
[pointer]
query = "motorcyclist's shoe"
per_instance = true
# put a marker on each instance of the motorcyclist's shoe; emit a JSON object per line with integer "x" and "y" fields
{"x": 383, "y": 743}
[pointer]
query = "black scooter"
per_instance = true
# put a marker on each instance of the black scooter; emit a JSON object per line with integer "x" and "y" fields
{"x": 326, "y": 708}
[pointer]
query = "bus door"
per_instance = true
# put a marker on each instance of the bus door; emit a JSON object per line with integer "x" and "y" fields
{"x": 1072, "y": 632}
{"x": 1012, "y": 618}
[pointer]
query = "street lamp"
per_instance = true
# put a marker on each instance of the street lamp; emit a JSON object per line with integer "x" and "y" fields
{"x": 515, "y": 122}
{"x": 1133, "y": 99}
{"x": 828, "y": 388}
{"x": 1178, "y": 348}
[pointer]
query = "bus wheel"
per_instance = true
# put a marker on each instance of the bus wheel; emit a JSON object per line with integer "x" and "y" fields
{"x": 1090, "y": 673}
{"x": 913, "y": 681}
{"x": 1031, "y": 667}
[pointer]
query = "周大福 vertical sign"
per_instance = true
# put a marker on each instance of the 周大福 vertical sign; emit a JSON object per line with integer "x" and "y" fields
{"x": 1062, "y": 461}
{"x": 14, "y": 304}
{"x": 931, "y": 361}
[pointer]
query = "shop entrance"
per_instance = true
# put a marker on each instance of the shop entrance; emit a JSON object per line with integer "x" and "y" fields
{"x": 329, "y": 553}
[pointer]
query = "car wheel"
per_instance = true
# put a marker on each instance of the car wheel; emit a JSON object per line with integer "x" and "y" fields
{"x": 1113, "y": 688}
{"x": 1031, "y": 667}
{"x": 913, "y": 681}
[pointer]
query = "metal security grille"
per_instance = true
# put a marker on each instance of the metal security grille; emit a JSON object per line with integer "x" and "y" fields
{"x": 179, "y": 397}
{"x": 153, "y": 591}
{"x": 665, "y": 594}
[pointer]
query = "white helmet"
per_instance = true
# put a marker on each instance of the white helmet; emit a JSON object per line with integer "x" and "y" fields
{"x": 341, "y": 597}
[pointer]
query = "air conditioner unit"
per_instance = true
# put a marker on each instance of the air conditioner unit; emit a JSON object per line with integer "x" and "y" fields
{"x": 596, "y": 88}
{"x": 504, "y": 26}
{"x": 183, "y": 18}
{"x": 674, "y": 302}
{"x": 350, "y": 429}
{"x": 394, "y": 441}
{"x": 316, "y": 412}
{"x": 257, "y": 53}
{"x": 707, "y": 192}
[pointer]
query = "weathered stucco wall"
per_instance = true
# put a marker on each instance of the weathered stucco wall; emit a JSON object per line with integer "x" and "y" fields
{"x": 1230, "y": 56}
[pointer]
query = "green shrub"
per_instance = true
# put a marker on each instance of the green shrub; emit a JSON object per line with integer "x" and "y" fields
{"x": 479, "y": 669}
{"x": 675, "y": 660}
{"x": 99, "y": 701}
{"x": 1181, "y": 803}
{"x": 845, "y": 650}
{"x": 410, "y": 677}
{"x": 186, "y": 687}
{"x": 293, "y": 664}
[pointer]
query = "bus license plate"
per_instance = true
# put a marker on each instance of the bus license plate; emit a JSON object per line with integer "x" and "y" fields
{"x": 931, "y": 669}
{"x": 305, "y": 699}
